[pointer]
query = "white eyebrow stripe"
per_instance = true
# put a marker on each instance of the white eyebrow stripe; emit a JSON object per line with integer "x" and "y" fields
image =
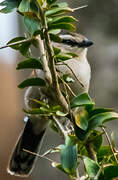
{"x": 66, "y": 36}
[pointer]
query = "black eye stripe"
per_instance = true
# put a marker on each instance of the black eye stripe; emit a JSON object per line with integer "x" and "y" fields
{"x": 72, "y": 43}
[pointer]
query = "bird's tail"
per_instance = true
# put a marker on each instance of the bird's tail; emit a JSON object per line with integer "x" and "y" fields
{"x": 21, "y": 163}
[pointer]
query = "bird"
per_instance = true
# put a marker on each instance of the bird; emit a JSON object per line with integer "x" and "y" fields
{"x": 21, "y": 163}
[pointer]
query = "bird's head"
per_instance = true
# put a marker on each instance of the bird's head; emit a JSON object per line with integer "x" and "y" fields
{"x": 74, "y": 43}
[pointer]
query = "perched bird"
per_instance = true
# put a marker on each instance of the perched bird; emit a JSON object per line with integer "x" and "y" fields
{"x": 21, "y": 163}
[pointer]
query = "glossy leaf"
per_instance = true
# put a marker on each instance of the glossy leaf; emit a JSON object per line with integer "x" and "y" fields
{"x": 62, "y": 57}
{"x": 91, "y": 166}
{"x": 57, "y": 10}
{"x": 32, "y": 82}
{"x": 64, "y": 26}
{"x": 22, "y": 44}
{"x": 33, "y": 7}
{"x": 72, "y": 54}
{"x": 31, "y": 24}
{"x": 59, "y": 113}
{"x": 81, "y": 119}
{"x": 56, "y": 50}
{"x": 24, "y": 6}
{"x": 80, "y": 133}
{"x": 82, "y": 100}
{"x": 62, "y": 4}
{"x": 55, "y": 31}
{"x": 29, "y": 63}
{"x": 14, "y": 40}
{"x": 69, "y": 156}
{"x": 9, "y": 5}
{"x": 100, "y": 110}
{"x": 104, "y": 151}
{"x": 110, "y": 172}
{"x": 101, "y": 118}
{"x": 55, "y": 38}
{"x": 62, "y": 19}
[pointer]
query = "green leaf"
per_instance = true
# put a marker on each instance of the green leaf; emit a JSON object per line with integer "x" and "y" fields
{"x": 32, "y": 82}
{"x": 59, "y": 113}
{"x": 81, "y": 119}
{"x": 98, "y": 120}
{"x": 62, "y": 57}
{"x": 29, "y": 63}
{"x": 41, "y": 103}
{"x": 33, "y": 6}
{"x": 10, "y": 5}
{"x": 64, "y": 26}
{"x": 55, "y": 38}
{"x": 14, "y": 40}
{"x": 100, "y": 110}
{"x": 62, "y": 4}
{"x": 24, "y": 6}
{"x": 80, "y": 133}
{"x": 56, "y": 50}
{"x": 51, "y": 1}
{"x": 110, "y": 172}
{"x": 91, "y": 166}
{"x": 104, "y": 151}
{"x": 62, "y": 19}
{"x": 69, "y": 156}
{"x": 23, "y": 47}
{"x": 31, "y": 24}
{"x": 72, "y": 54}
{"x": 55, "y": 31}
{"x": 82, "y": 100}
{"x": 57, "y": 10}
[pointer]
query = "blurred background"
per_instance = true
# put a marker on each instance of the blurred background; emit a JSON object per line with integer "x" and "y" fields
{"x": 99, "y": 23}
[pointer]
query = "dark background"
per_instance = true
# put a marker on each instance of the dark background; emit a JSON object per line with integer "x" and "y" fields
{"x": 99, "y": 23}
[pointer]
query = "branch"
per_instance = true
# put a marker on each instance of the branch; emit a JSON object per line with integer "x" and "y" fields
{"x": 55, "y": 85}
{"x": 38, "y": 155}
{"x": 47, "y": 73}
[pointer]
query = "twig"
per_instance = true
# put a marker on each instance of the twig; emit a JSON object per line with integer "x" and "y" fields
{"x": 15, "y": 43}
{"x": 77, "y": 173}
{"x": 35, "y": 154}
{"x": 81, "y": 7}
{"x": 100, "y": 170}
{"x": 67, "y": 86}
{"x": 63, "y": 63}
{"x": 64, "y": 132}
{"x": 110, "y": 144}
{"x": 47, "y": 73}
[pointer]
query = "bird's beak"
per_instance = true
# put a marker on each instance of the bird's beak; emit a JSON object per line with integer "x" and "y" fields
{"x": 85, "y": 43}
